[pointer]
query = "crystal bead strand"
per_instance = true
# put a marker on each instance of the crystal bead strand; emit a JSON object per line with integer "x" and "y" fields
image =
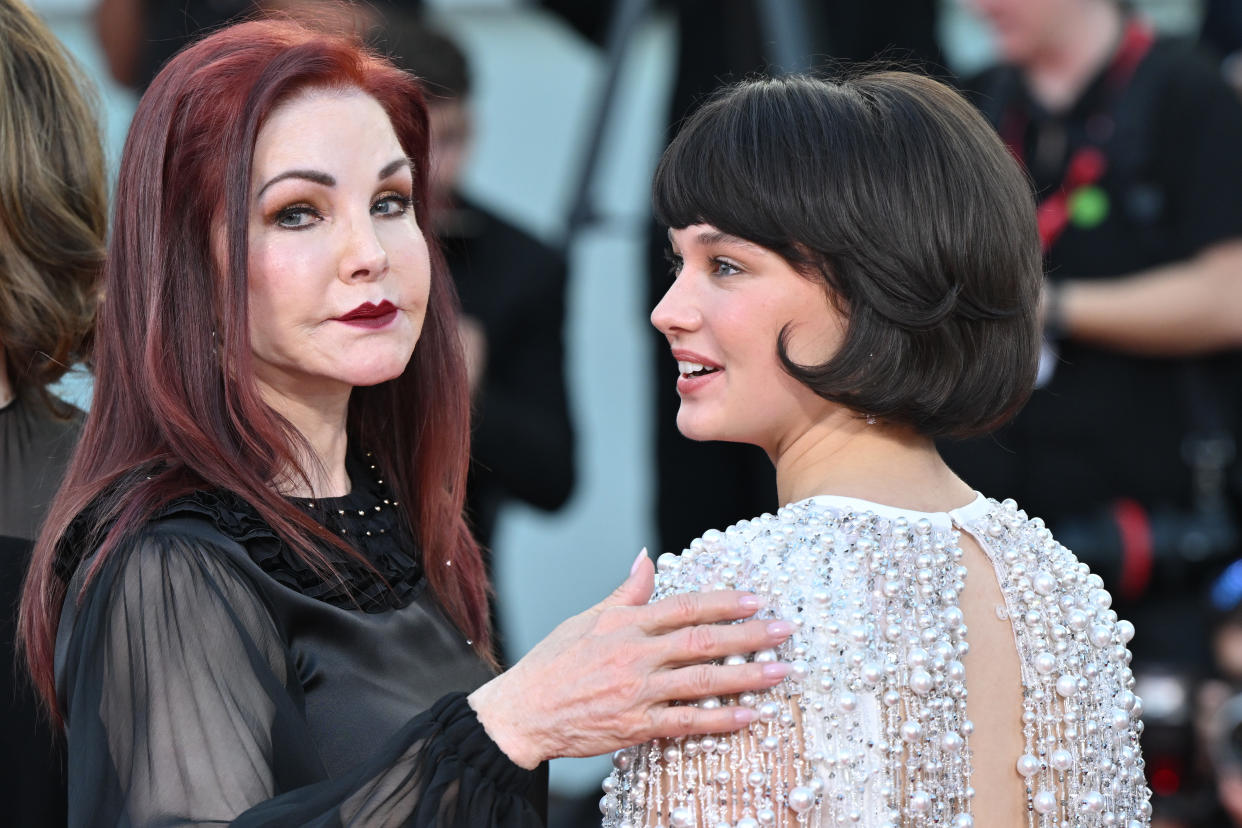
{"x": 1081, "y": 727}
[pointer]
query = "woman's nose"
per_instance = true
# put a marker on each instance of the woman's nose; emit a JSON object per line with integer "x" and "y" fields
{"x": 676, "y": 312}
{"x": 364, "y": 256}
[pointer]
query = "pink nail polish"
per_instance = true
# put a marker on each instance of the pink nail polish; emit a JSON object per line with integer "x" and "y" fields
{"x": 775, "y": 669}
{"x": 780, "y": 629}
{"x": 749, "y": 602}
{"x": 744, "y": 715}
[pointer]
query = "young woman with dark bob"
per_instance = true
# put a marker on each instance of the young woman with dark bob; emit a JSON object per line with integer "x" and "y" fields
{"x": 255, "y": 600}
{"x": 856, "y": 275}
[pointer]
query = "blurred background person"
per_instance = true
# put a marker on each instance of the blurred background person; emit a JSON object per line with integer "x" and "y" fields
{"x": 53, "y": 208}
{"x": 139, "y": 36}
{"x": 1218, "y": 718}
{"x": 1127, "y": 447}
{"x": 512, "y": 290}
{"x": 1221, "y": 31}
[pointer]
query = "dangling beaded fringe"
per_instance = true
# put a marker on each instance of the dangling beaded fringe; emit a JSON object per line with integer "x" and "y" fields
{"x": 871, "y": 726}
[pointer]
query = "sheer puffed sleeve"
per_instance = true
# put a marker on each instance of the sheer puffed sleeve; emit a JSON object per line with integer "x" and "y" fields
{"x": 184, "y": 708}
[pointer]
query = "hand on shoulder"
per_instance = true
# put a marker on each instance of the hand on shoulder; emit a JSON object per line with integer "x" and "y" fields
{"x": 609, "y": 677}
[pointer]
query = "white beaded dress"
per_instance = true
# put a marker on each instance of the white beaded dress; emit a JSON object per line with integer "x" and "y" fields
{"x": 870, "y": 729}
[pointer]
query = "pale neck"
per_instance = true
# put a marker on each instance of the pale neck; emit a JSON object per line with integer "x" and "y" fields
{"x": 1084, "y": 42}
{"x": 7, "y": 392}
{"x": 844, "y": 455}
{"x": 320, "y": 418}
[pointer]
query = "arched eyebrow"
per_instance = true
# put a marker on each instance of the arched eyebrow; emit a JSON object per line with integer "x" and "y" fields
{"x": 392, "y": 166}
{"x": 322, "y": 178}
{"x": 313, "y": 176}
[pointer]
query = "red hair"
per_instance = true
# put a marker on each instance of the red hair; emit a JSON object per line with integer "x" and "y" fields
{"x": 175, "y": 405}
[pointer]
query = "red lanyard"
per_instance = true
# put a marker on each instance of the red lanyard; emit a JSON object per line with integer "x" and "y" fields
{"x": 1086, "y": 167}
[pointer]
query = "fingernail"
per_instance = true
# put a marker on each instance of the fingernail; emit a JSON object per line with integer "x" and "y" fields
{"x": 749, "y": 602}
{"x": 780, "y": 629}
{"x": 775, "y": 669}
{"x": 638, "y": 560}
{"x": 744, "y": 715}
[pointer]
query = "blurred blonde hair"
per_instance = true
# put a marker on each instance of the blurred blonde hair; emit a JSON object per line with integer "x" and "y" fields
{"x": 53, "y": 204}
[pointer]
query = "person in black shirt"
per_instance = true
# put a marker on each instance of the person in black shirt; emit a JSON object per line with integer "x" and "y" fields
{"x": 138, "y": 37}
{"x": 1131, "y": 141}
{"x": 53, "y": 220}
{"x": 255, "y": 600}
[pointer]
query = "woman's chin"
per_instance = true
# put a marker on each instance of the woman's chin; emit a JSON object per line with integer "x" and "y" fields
{"x": 375, "y": 365}
{"x": 696, "y": 427}
{"x": 365, "y": 379}
{"x": 375, "y": 372}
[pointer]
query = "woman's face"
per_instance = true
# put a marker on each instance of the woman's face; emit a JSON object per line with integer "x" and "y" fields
{"x": 338, "y": 268}
{"x": 728, "y": 303}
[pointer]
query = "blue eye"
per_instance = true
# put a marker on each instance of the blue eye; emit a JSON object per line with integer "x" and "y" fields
{"x": 724, "y": 267}
{"x": 297, "y": 217}
{"x": 392, "y": 204}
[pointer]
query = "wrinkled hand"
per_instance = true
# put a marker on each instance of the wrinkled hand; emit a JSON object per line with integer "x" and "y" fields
{"x": 604, "y": 679}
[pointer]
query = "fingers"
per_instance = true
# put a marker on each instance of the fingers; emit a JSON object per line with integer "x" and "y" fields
{"x": 693, "y": 645}
{"x": 691, "y": 608}
{"x": 672, "y": 722}
{"x": 706, "y": 681}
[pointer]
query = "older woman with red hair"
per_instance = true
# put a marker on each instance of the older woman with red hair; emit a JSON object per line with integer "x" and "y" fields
{"x": 255, "y": 600}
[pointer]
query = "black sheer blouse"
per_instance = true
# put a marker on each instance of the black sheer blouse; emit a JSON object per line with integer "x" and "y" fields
{"x": 210, "y": 678}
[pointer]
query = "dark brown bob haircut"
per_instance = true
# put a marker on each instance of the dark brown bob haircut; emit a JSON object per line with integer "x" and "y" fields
{"x": 895, "y": 192}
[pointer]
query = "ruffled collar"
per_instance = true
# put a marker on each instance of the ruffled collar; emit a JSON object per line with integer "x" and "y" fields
{"x": 367, "y": 517}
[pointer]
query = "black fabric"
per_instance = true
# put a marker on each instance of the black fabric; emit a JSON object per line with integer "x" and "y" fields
{"x": 201, "y": 685}
{"x": 523, "y": 441}
{"x": 1222, "y": 26}
{"x": 32, "y": 765}
{"x": 1111, "y": 425}
{"x": 35, "y": 447}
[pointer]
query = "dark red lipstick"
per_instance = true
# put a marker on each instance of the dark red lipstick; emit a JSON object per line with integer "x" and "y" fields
{"x": 368, "y": 315}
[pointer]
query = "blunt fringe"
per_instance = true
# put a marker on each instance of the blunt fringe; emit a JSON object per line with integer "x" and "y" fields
{"x": 891, "y": 189}
{"x": 176, "y": 407}
{"x": 53, "y": 206}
